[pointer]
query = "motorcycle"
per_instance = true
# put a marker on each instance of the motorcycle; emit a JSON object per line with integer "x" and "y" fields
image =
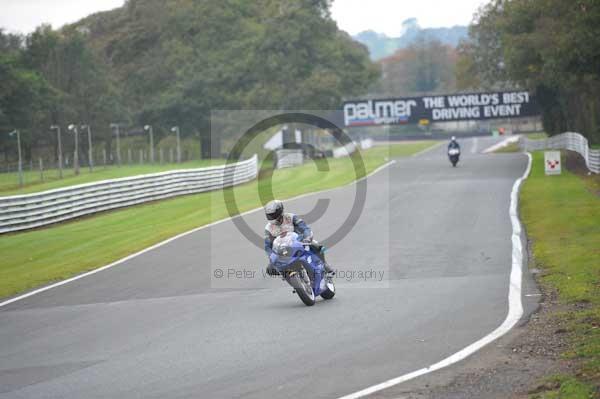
{"x": 454, "y": 155}
{"x": 301, "y": 268}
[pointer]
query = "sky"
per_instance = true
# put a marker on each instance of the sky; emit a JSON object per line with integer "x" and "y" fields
{"x": 353, "y": 16}
{"x": 386, "y": 16}
{"x": 24, "y": 16}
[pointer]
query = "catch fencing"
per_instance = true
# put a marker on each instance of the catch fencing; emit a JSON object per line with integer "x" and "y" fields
{"x": 22, "y": 212}
{"x": 566, "y": 141}
{"x": 42, "y": 169}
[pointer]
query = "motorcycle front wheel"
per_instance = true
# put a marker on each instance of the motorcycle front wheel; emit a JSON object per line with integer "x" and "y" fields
{"x": 301, "y": 284}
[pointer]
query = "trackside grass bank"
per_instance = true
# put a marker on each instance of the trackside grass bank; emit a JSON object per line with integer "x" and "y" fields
{"x": 35, "y": 258}
{"x": 562, "y": 218}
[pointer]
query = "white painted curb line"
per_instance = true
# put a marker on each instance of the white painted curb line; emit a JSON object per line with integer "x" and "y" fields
{"x": 501, "y": 144}
{"x": 160, "y": 244}
{"x": 515, "y": 307}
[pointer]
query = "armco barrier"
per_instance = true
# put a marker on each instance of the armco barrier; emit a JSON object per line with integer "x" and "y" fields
{"x": 566, "y": 141}
{"x": 344, "y": 151}
{"x": 289, "y": 158}
{"x": 21, "y": 212}
{"x": 365, "y": 144}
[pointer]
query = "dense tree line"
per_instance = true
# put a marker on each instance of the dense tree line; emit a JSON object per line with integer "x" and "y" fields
{"x": 551, "y": 47}
{"x": 51, "y": 78}
{"x": 170, "y": 62}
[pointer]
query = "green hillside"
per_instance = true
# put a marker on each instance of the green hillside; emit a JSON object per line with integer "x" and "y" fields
{"x": 170, "y": 62}
{"x": 178, "y": 59}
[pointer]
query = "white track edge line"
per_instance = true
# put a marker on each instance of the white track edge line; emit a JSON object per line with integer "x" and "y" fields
{"x": 502, "y": 144}
{"x": 160, "y": 244}
{"x": 426, "y": 150}
{"x": 515, "y": 306}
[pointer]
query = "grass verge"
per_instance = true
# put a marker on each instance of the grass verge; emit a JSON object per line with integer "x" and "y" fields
{"x": 562, "y": 217}
{"x": 536, "y": 136}
{"x": 9, "y": 181}
{"x": 35, "y": 258}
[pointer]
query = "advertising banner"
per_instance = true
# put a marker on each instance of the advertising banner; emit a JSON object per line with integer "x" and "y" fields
{"x": 444, "y": 108}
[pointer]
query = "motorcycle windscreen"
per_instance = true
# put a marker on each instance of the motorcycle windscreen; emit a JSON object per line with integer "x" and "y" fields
{"x": 286, "y": 247}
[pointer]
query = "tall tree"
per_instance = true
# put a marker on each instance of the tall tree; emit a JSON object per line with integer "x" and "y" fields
{"x": 24, "y": 95}
{"x": 81, "y": 80}
{"x": 426, "y": 66}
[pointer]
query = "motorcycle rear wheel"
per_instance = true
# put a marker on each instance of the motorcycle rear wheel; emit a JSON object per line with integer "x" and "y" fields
{"x": 329, "y": 293}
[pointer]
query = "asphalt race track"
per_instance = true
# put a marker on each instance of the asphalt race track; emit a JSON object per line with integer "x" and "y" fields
{"x": 156, "y": 326}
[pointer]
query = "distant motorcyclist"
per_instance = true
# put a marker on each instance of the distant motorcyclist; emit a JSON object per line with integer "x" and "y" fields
{"x": 453, "y": 151}
{"x": 453, "y": 143}
{"x": 280, "y": 222}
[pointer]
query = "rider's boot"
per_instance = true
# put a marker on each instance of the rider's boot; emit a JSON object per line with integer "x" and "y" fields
{"x": 328, "y": 269}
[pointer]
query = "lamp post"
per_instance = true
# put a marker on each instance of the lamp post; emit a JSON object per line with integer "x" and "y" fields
{"x": 90, "y": 149}
{"x": 175, "y": 129}
{"x": 150, "y": 130}
{"x": 73, "y": 129}
{"x": 116, "y": 126}
{"x": 18, "y": 134}
{"x": 60, "y": 157}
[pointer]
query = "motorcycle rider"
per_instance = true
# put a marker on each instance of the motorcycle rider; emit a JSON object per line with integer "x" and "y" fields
{"x": 453, "y": 143}
{"x": 280, "y": 222}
